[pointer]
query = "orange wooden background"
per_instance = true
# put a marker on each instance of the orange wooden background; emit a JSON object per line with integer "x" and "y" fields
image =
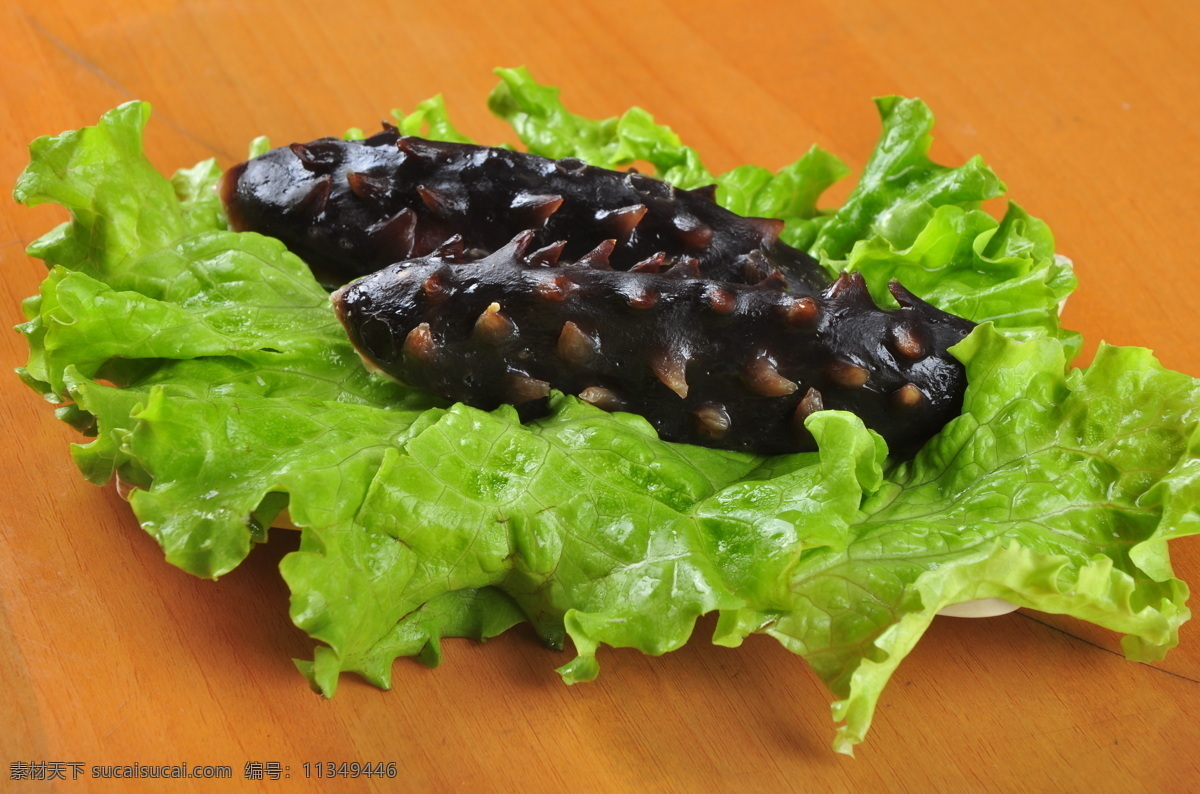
{"x": 107, "y": 655}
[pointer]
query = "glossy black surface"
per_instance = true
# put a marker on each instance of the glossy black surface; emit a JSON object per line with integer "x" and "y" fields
{"x": 349, "y": 208}
{"x": 708, "y": 362}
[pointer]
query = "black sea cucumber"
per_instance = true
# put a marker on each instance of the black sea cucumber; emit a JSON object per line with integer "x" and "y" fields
{"x": 348, "y": 208}
{"x": 706, "y": 361}
{"x": 508, "y": 274}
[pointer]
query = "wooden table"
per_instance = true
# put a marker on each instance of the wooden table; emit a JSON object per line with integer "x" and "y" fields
{"x": 108, "y": 655}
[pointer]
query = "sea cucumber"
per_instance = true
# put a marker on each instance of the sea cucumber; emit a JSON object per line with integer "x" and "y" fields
{"x": 705, "y": 361}
{"x": 348, "y": 208}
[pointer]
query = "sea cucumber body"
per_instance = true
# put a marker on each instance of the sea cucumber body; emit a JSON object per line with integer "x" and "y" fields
{"x": 349, "y": 208}
{"x": 706, "y": 362}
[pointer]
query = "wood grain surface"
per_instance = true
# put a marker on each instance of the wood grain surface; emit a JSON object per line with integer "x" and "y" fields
{"x": 1087, "y": 110}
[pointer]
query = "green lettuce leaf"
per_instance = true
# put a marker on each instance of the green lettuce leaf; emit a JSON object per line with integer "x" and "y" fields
{"x": 968, "y": 264}
{"x": 430, "y": 120}
{"x": 228, "y": 392}
{"x": 1050, "y": 491}
{"x": 900, "y": 184}
{"x": 547, "y": 128}
{"x": 907, "y": 218}
{"x": 196, "y": 189}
